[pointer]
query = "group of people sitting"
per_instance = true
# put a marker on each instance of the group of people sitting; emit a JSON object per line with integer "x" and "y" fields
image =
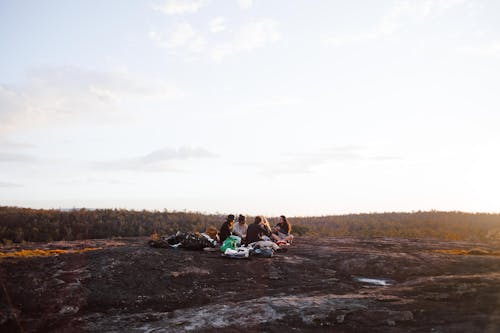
{"x": 234, "y": 239}
{"x": 259, "y": 230}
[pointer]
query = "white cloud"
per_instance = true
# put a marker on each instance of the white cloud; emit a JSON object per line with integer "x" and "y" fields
{"x": 167, "y": 154}
{"x": 16, "y": 158}
{"x": 274, "y": 102}
{"x": 402, "y": 13}
{"x": 174, "y": 7}
{"x": 62, "y": 94}
{"x": 245, "y": 4}
{"x": 300, "y": 163}
{"x": 183, "y": 39}
{"x": 250, "y": 36}
{"x": 181, "y": 36}
{"x": 217, "y": 24}
{"x": 93, "y": 180}
{"x": 8, "y": 184}
{"x": 14, "y": 145}
{"x": 487, "y": 49}
{"x": 252, "y": 107}
{"x": 165, "y": 159}
{"x": 305, "y": 162}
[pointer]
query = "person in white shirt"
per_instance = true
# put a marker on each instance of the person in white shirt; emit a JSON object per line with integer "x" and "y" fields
{"x": 240, "y": 228}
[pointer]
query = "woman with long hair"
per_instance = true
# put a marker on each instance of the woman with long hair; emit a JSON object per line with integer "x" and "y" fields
{"x": 267, "y": 226}
{"x": 282, "y": 231}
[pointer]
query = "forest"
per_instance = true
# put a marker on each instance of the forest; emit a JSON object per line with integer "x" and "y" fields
{"x": 45, "y": 225}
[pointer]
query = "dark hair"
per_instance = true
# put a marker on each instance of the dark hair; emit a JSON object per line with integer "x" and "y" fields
{"x": 241, "y": 218}
{"x": 230, "y": 217}
{"x": 287, "y": 224}
{"x": 258, "y": 219}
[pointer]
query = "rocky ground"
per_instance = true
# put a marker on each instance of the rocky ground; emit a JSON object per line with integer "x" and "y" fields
{"x": 328, "y": 284}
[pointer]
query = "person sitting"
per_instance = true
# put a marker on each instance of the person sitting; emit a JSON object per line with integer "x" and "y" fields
{"x": 282, "y": 231}
{"x": 256, "y": 231}
{"x": 226, "y": 228}
{"x": 240, "y": 228}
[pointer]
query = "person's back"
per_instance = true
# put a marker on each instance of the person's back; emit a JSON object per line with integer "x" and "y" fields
{"x": 255, "y": 231}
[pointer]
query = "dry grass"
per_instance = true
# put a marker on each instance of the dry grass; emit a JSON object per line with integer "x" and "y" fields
{"x": 43, "y": 253}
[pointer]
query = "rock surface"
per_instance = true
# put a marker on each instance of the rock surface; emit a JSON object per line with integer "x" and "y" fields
{"x": 318, "y": 285}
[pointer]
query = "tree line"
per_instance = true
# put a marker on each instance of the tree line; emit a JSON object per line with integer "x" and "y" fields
{"x": 421, "y": 224}
{"x": 44, "y": 225}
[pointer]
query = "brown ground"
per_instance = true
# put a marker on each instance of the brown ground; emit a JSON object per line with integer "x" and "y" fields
{"x": 128, "y": 287}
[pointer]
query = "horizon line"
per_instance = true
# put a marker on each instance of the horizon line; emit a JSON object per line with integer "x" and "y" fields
{"x": 270, "y": 216}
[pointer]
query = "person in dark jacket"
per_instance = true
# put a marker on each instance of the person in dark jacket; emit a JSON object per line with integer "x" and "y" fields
{"x": 226, "y": 229}
{"x": 256, "y": 230}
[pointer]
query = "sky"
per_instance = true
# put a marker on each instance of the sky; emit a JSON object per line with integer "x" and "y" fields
{"x": 250, "y": 106}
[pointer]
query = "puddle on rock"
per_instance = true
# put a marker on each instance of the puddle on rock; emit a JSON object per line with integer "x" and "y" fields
{"x": 377, "y": 282}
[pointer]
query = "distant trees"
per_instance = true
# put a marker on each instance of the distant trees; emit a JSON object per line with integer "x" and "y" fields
{"x": 40, "y": 225}
{"x": 432, "y": 224}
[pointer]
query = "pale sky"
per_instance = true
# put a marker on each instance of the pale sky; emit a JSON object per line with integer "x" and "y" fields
{"x": 251, "y": 106}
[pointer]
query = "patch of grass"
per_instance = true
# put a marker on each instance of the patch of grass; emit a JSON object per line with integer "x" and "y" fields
{"x": 43, "y": 253}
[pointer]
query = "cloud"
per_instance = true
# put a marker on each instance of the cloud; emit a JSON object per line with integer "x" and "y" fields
{"x": 250, "y": 36}
{"x": 217, "y": 24}
{"x": 183, "y": 153}
{"x": 53, "y": 95}
{"x": 93, "y": 180}
{"x": 274, "y": 102}
{"x": 401, "y": 14}
{"x": 182, "y": 39}
{"x": 16, "y": 158}
{"x": 7, "y": 184}
{"x": 251, "y": 107}
{"x": 245, "y": 4}
{"x": 491, "y": 48}
{"x": 175, "y": 7}
{"x": 165, "y": 159}
{"x": 303, "y": 163}
{"x": 7, "y": 144}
